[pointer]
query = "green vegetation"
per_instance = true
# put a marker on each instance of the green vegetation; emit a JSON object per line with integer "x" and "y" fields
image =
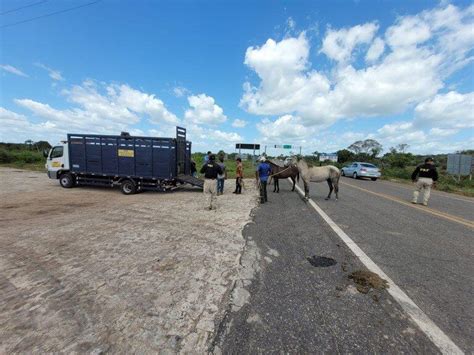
{"x": 249, "y": 168}
{"x": 396, "y": 164}
{"x": 25, "y": 156}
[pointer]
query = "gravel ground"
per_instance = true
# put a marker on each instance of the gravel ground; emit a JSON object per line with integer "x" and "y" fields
{"x": 92, "y": 270}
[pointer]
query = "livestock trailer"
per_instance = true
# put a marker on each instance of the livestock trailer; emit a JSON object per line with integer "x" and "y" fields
{"x": 133, "y": 163}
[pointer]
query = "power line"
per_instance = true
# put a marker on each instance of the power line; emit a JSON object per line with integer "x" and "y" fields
{"x": 50, "y": 14}
{"x": 23, "y": 7}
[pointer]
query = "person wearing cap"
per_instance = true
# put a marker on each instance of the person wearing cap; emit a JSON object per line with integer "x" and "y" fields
{"x": 262, "y": 174}
{"x": 211, "y": 170}
{"x": 239, "y": 175}
{"x": 424, "y": 176}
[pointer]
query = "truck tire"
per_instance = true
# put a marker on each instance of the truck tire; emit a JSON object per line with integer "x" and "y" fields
{"x": 128, "y": 187}
{"x": 66, "y": 180}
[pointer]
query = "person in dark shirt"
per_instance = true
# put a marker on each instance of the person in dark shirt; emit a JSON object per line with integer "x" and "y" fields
{"x": 210, "y": 170}
{"x": 262, "y": 174}
{"x": 424, "y": 177}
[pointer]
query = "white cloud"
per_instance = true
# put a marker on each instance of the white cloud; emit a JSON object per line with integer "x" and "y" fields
{"x": 406, "y": 67}
{"x": 53, "y": 73}
{"x": 408, "y": 31}
{"x": 225, "y": 136}
{"x": 443, "y": 132}
{"x": 239, "y": 123}
{"x": 204, "y": 110}
{"x": 17, "y": 128}
{"x": 376, "y": 49}
{"x": 339, "y": 44}
{"x": 451, "y": 110}
{"x": 104, "y": 109}
{"x": 180, "y": 91}
{"x": 285, "y": 84}
{"x": 13, "y": 70}
{"x": 286, "y": 127}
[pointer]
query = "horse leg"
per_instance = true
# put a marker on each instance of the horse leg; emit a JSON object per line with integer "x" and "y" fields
{"x": 275, "y": 184}
{"x": 336, "y": 188}
{"x": 330, "y": 188}
{"x": 306, "y": 190}
{"x": 294, "y": 183}
{"x": 278, "y": 185}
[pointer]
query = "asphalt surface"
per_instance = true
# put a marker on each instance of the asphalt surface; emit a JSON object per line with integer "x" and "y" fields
{"x": 428, "y": 256}
{"x": 296, "y": 307}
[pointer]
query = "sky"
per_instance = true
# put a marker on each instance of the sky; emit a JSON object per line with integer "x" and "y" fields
{"x": 315, "y": 74}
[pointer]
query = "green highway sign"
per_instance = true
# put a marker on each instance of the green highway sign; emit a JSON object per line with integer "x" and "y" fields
{"x": 286, "y": 146}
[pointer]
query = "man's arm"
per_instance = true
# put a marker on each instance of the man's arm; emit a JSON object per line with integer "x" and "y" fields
{"x": 203, "y": 169}
{"x": 415, "y": 173}
{"x": 435, "y": 175}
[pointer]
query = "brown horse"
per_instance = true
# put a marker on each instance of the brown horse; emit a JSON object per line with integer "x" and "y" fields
{"x": 283, "y": 172}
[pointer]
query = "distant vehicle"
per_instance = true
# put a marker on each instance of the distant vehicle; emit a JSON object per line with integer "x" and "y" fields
{"x": 359, "y": 170}
{"x": 132, "y": 163}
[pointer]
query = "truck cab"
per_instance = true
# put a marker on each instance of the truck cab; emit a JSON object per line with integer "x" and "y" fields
{"x": 57, "y": 161}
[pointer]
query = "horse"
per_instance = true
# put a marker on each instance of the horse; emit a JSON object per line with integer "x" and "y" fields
{"x": 278, "y": 172}
{"x": 329, "y": 173}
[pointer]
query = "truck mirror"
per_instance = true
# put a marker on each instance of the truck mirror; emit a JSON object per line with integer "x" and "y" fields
{"x": 45, "y": 153}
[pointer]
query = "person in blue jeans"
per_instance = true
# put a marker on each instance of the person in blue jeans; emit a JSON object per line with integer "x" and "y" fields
{"x": 221, "y": 177}
{"x": 262, "y": 174}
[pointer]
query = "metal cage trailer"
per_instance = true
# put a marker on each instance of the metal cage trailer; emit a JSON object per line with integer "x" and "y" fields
{"x": 132, "y": 163}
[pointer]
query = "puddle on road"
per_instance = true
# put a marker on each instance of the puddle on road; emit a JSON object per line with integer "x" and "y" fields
{"x": 321, "y": 261}
{"x": 365, "y": 280}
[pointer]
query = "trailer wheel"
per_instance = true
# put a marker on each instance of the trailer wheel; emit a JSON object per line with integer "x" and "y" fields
{"x": 128, "y": 187}
{"x": 66, "y": 180}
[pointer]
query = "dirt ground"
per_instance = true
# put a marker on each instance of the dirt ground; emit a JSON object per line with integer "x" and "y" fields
{"x": 92, "y": 270}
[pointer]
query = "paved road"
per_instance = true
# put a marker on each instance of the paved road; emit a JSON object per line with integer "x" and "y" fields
{"x": 295, "y": 307}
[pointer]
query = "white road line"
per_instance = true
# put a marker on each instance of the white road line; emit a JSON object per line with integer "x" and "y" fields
{"x": 432, "y": 331}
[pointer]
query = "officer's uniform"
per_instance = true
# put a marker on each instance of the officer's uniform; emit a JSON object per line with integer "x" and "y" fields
{"x": 210, "y": 170}
{"x": 426, "y": 174}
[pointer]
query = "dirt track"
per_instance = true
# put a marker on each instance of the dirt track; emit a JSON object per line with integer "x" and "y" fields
{"x": 91, "y": 270}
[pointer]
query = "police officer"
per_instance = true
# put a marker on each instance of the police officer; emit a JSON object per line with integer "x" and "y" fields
{"x": 263, "y": 172}
{"x": 427, "y": 177}
{"x": 210, "y": 170}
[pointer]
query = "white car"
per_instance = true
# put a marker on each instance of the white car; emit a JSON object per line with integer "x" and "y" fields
{"x": 359, "y": 170}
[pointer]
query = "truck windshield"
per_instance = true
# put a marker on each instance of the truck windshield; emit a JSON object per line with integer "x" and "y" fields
{"x": 57, "y": 152}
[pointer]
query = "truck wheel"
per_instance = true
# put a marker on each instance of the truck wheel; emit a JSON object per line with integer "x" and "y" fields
{"x": 354, "y": 175}
{"x": 128, "y": 187}
{"x": 343, "y": 173}
{"x": 373, "y": 179}
{"x": 66, "y": 180}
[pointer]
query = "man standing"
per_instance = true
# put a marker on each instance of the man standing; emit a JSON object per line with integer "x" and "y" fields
{"x": 427, "y": 177}
{"x": 221, "y": 177}
{"x": 262, "y": 174}
{"x": 210, "y": 170}
{"x": 239, "y": 175}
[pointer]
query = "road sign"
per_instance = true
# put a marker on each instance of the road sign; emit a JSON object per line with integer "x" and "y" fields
{"x": 247, "y": 146}
{"x": 286, "y": 146}
{"x": 459, "y": 164}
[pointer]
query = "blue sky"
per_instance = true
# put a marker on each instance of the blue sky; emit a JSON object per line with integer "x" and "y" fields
{"x": 320, "y": 74}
